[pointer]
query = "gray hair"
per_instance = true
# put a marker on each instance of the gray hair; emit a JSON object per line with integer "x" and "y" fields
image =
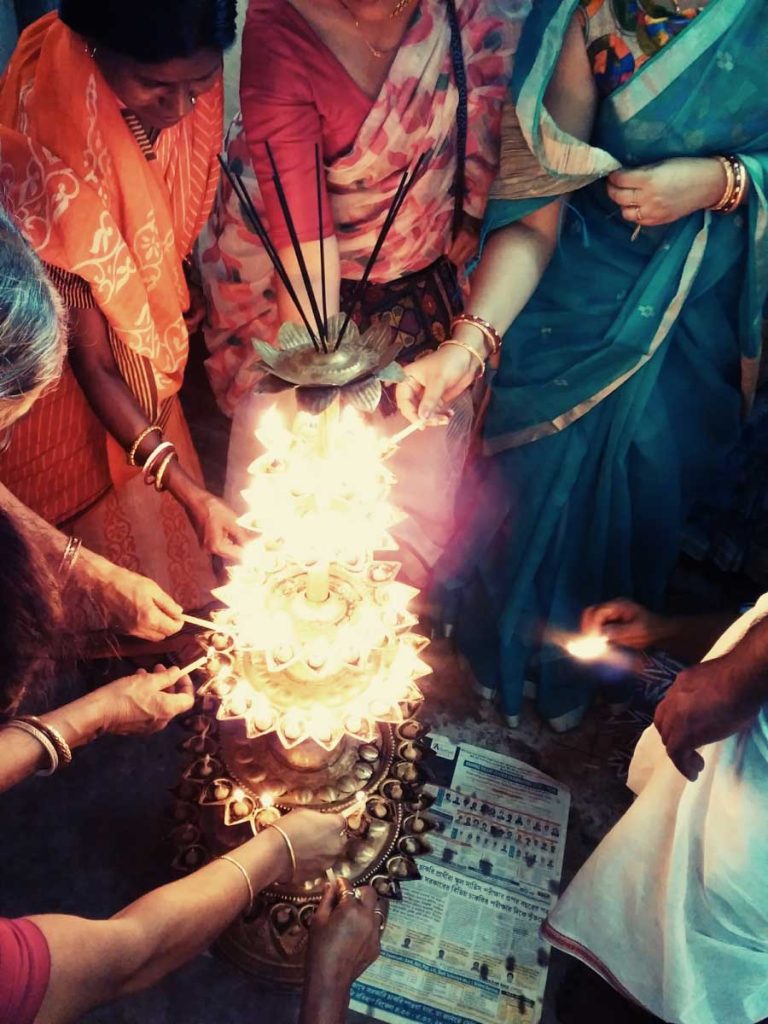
{"x": 32, "y": 336}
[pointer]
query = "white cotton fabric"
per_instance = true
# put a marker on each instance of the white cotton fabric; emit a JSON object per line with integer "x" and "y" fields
{"x": 673, "y": 904}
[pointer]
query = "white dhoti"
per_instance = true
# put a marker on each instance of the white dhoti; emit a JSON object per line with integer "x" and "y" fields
{"x": 672, "y": 907}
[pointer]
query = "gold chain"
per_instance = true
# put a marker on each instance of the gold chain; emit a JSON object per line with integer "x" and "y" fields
{"x": 376, "y": 51}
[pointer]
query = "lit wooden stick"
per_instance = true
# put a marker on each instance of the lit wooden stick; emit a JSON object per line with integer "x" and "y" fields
{"x": 217, "y": 627}
{"x": 397, "y": 439}
{"x": 195, "y": 665}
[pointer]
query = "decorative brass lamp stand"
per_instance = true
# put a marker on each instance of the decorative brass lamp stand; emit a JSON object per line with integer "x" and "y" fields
{"x": 310, "y": 683}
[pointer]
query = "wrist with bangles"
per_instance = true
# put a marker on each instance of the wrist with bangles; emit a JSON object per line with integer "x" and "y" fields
{"x": 157, "y": 463}
{"x": 491, "y": 339}
{"x": 736, "y": 182}
{"x": 50, "y": 739}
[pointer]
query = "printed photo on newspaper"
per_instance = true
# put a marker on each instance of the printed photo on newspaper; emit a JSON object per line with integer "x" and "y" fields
{"x": 463, "y": 946}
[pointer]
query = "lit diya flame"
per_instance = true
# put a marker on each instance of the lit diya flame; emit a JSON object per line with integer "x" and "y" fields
{"x": 323, "y": 646}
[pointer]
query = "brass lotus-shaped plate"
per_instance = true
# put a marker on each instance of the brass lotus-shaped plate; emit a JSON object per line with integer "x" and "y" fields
{"x": 353, "y": 373}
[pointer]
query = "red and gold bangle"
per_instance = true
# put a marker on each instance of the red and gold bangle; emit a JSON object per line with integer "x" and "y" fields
{"x": 163, "y": 469}
{"x": 487, "y": 330}
{"x": 164, "y": 449}
{"x": 735, "y": 184}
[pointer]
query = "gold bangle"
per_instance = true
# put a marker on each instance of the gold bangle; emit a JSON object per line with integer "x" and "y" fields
{"x": 467, "y": 348}
{"x": 291, "y": 851}
{"x": 134, "y": 450}
{"x": 730, "y": 182}
{"x": 246, "y": 876}
{"x": 163, "y": 469}
{"x": 63, "y": 749}
{"x": 487, "y": 329}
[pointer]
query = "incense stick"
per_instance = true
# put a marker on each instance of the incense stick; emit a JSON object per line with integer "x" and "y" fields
{"x": 298, "y": 251}
{"x": 322, "y": 236}
{"x": 402, "y": 191}
{"x": 245, "y": 198}
{"x": 240, "y": 190}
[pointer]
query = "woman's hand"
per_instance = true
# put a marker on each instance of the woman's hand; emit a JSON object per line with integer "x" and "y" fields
{"x": 344, "y": 940}
{"x": 624, "y": 622}
{"x": 216, "y": 525}
{"x": 665, "y": 192}
{"x": 146, "y": 702}
{"x": 433, "y": 382}
{"x": 131, "y": 603}
{"x": 318, "y": 840}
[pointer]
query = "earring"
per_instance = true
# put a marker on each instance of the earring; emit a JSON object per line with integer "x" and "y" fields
{"x": 90, "y": 51}
{"x": 192, "y": 99}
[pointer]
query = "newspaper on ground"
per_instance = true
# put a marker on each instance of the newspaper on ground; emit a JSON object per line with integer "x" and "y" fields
{"x": 463, "y": 946}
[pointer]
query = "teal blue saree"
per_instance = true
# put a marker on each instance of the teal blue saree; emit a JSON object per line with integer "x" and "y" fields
{"x": 620, "y": 385}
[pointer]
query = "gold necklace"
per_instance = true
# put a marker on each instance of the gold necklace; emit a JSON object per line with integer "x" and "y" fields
{"x": 376, "y": 51}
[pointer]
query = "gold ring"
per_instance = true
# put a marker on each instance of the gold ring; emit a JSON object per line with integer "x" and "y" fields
{"x": 353, "y": 894}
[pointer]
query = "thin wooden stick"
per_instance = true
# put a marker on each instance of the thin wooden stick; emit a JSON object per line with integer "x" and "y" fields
{"x": 405, "y": 184}
{"x": 194, "y": 665}
{"x": 298, "y": 251}
{"x": 240, "y": 190}
{"x": 398, "y": 439}
{"x": 215, "y": 627}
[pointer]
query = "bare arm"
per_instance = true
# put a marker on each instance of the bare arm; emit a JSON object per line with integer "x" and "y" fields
{"x": 122, "y": 599}
{"x": 141, "y": 703}
{"x": 514, "y": 259}
{"x": 311, "y": 251}
{"x": 98, "y": 375}
{"x": 94, "y": 962}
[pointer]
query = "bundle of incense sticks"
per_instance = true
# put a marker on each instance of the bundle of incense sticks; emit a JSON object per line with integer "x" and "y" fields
{"x": 319, "y": 313}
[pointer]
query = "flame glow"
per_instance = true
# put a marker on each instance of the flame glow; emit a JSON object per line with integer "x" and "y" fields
{"x": 322, "y": 646}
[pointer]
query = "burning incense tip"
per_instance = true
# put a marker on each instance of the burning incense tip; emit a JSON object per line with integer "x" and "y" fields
{"x": 588, "y": 648}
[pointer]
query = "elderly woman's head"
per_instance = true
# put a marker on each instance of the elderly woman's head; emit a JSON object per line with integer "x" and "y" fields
{"x": 158, "y": 56}
{"x": 31, "y": 335}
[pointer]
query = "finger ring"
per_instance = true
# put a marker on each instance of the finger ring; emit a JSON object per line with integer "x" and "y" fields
{"x": 353, "y": 894}
{"x": 381, "y": 914}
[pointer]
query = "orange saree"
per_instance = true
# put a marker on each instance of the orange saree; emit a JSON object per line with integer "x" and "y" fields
{"x": 93, "y": 205}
